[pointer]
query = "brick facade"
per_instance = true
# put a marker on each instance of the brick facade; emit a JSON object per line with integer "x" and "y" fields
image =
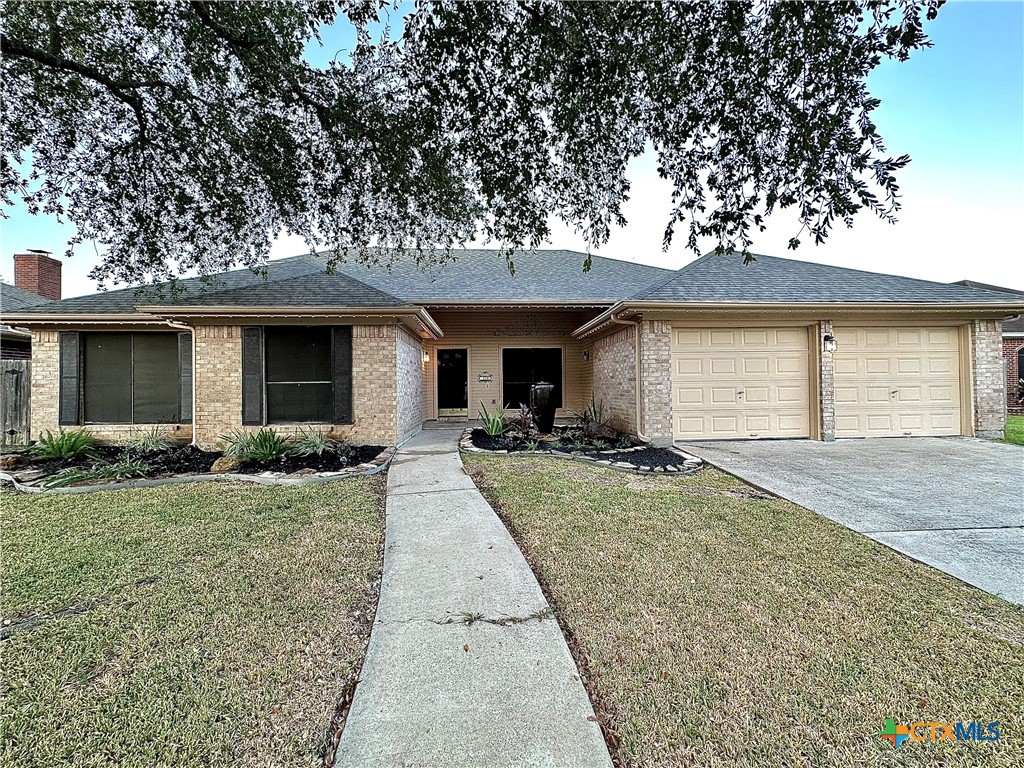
{"x": 988, "y": 383}
{"x": 826, "y": 385}
{"x": 218, "y": 387}
{"x": 656, "y": 380}
{"x": 613, "y": 358}
{"x": 378, "y": 352}
{"x": 1014, "y": 373}
{"x": 409, "y": 374}
{"x": 46, "y": 393}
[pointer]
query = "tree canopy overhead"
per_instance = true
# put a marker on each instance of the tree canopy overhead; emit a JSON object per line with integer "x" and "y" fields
{"x": 187, "y": 135}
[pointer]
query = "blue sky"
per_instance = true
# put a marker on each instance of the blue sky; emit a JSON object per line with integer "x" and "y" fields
{"x": 957, "y": 109}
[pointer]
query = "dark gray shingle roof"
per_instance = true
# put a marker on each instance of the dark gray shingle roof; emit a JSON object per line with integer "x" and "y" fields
{"x": 474, "y": 275}
{"x": 1009, "y": 326}
{"x": 12, "y": 297}
{"x": 312, "y": 290}
{"x": 483, "y": 275}
{"x": 770, "y": 279}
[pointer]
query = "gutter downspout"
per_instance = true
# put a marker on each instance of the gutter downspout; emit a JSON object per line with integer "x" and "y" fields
{"x": 639, "y": 394}
{"x": 192, "y": 332}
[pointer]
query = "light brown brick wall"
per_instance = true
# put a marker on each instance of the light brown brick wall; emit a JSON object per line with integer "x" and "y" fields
{"x": 409, "y": 383}
{"x": 826, "y": 385}
{"x": 46, "y": 404}
{"x": 218, "y": 382}
{"x": 656, "y": 376}
{"x": 614, "y": 370}
{"x": 989, "y": 385}
{"x": 1014, "y": 373}
{"x": 45, "y": 382}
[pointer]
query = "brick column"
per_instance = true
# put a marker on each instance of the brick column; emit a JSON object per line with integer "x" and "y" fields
{"x": 656, "y": 379}
{"x": 988, "y": 385}
{"x": 826, "y": 385}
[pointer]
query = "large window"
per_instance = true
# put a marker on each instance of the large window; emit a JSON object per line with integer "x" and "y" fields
{"x": 523, "y": 367}
{"x": 131, "y": 378}
{"x": 298, "y": 366}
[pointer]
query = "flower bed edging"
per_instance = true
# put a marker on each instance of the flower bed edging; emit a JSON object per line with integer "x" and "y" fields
{"x": 379, "y": 464}
{"x": 688, "y": 465}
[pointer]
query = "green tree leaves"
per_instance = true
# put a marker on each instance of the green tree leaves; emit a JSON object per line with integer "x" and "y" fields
{"x": 186, "y": 135}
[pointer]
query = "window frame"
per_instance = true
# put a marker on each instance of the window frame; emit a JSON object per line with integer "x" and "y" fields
{"x": 501, "y": 365}
{"x": 267, "y": 420}
{"x": 83, "y": 382}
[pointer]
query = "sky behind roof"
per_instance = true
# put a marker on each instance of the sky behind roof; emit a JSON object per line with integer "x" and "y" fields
{"x": 957, "y": 109}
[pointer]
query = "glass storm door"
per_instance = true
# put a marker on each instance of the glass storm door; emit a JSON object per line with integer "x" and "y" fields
{"x": 452, "y": 382}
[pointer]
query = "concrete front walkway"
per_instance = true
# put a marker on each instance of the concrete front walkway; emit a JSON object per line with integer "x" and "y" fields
{"x": 954, "y": 503}
{"x": 435, "y": 689}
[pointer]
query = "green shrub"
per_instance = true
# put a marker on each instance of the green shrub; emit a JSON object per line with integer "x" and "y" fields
{"x": 491, "y": 423}
{"x": 263, "y": 446}
{"x": 316, "y": 443}
{"x": 150, "y": 441}
{"x": 64, "y": 445}
{"x": 104, "y": 470}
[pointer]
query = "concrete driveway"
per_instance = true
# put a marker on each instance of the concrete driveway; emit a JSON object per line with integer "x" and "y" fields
{"x": 954, "y": 503}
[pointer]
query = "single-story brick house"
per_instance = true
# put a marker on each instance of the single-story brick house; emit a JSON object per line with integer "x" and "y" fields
{"x": 715, "y": 350}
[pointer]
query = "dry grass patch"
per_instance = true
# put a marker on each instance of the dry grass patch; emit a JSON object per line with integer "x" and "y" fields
{"x": 186, "y": 625}
{"x": 725, "y": 627}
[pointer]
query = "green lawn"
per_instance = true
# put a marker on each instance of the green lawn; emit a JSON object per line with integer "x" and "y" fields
{"x": 724, "y": 627}
{"x": 1015, "y": 430}
{"x": 182, "y": 625}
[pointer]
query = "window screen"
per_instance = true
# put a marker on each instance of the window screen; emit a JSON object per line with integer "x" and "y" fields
{"x": 521, "y": 368}
{"x": 130, "y": 378}
{"x": 107, "y": 383}
{"x": 298, "y": 366}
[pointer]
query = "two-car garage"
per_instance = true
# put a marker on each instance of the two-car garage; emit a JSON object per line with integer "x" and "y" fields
{"x": 733, "y": 382}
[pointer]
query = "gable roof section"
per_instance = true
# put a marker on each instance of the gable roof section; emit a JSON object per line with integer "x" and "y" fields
{"x": 475, "y": 276}
{"x": 481, "y": 275}
{"x": 13, "y": 297}
{"x": 309, "y": 290}
{"x": 774, "y": 280}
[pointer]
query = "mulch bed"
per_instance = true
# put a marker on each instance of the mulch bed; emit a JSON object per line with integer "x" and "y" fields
{"x": 188, "y": 460}
{"x": 353, "y": 456}
{"x": 640, "y": 458}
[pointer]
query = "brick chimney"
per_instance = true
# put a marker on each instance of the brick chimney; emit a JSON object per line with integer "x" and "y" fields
{"x": 37, "y": 272}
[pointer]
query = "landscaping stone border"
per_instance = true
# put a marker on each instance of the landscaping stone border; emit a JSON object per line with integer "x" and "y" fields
{"x": 379, "y": 464}
{"x": 688, "y": 464}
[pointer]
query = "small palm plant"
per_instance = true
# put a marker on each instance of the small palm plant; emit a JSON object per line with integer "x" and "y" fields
{"x": 66, "y": 444}
{"x": 491, "y": 423}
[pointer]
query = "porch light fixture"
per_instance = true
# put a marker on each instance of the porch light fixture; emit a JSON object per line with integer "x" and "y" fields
{"x": 426, "y": 356}
{"x": 828, "y": 343}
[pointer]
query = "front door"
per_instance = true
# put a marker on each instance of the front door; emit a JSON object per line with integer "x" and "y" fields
{"x": 452, "y": 382}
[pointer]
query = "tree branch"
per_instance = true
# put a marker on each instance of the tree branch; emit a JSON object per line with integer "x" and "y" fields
{"x": 119, "y": 89}
{"x": 242, "y": 41}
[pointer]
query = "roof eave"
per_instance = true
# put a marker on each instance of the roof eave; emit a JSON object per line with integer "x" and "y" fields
{"x": 417, "y": 318}
{"x": 963, "y": 308}
{"x": 92, "y": 318}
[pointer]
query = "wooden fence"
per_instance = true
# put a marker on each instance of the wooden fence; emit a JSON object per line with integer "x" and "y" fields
{"x": 15, "y": 376}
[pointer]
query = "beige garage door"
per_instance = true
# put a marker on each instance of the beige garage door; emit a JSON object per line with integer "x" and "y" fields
{"x": 740, "y": 383}
{"x": 897, "y": 381}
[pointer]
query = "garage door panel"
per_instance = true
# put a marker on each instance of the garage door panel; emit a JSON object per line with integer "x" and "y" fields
{"x": 897, "y": 381}
{"x": 752, "y": 382}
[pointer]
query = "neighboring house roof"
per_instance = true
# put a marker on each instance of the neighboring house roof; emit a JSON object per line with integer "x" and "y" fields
{"x": 474, "y": 275}
{"x": 12, "y": 297}
{"x": 770, "y": 279}
{"x": 1014, "y": 327}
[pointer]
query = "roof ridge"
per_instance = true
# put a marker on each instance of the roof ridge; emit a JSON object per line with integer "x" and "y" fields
{"x": 670, "y": 277}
